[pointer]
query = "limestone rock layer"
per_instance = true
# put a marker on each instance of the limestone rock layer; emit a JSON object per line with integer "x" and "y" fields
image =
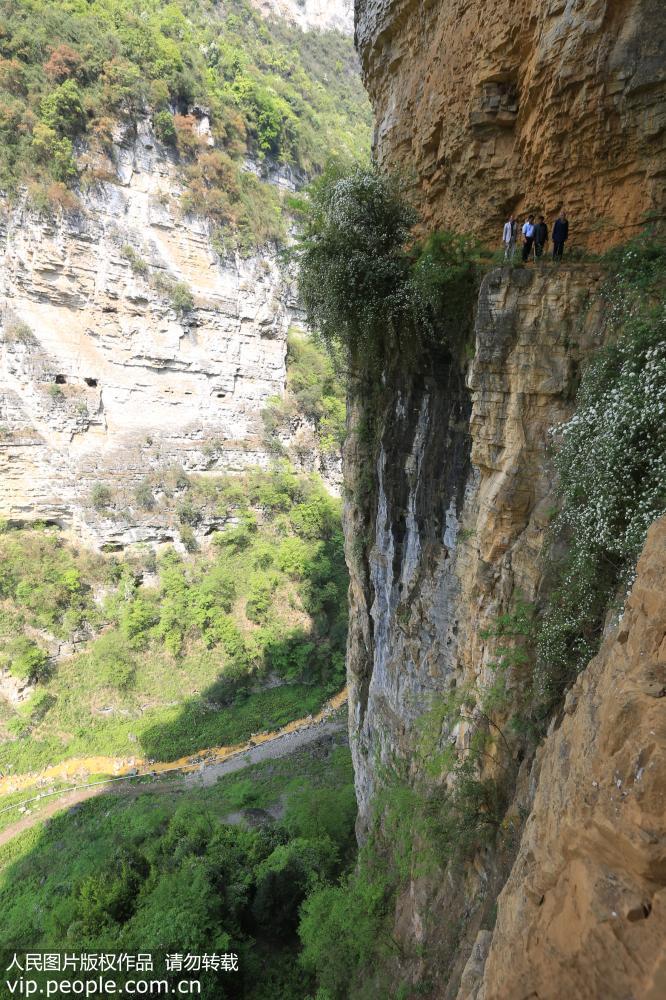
{"x": 104, "y": 378}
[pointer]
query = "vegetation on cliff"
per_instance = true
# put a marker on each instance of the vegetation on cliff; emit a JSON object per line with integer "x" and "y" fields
{"x": 611, "y": 462}
{"x": 175, "y": 871}
{"x": 71, "y": 73}
{"x": 174, "y": 653}
{"x": 314, "y": 394}
{"x": 369, "y": 287}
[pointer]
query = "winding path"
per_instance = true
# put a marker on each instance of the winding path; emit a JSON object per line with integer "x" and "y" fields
{"x": 199, "y": 770}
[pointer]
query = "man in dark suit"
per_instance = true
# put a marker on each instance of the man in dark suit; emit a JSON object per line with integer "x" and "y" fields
{"x": 560, "y": 235}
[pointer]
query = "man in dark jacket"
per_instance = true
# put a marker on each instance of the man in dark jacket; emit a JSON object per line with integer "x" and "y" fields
{"x": 560, "y": 235}
{"x": 540, "y": 236}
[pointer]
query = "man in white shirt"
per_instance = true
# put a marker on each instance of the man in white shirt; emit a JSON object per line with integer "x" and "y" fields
{"x": 509, "y": 236}
{"x": 528, "y": 237}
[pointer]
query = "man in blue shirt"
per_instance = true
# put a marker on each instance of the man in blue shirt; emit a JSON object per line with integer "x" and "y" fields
{"x": 528, "y": 237}
{"x": 560, "y": 235}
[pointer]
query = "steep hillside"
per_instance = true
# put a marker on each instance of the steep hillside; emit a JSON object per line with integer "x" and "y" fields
{"x": 150, "y": 170}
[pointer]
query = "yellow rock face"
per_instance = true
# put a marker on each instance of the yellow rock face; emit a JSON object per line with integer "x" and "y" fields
{"x": 583, "y": 913}
{"x": 522, "y": 105}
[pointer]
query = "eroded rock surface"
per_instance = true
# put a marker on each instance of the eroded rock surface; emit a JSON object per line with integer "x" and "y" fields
{"x": 307, "y": 14}
{"x": 514, "y": 105}
{"x": 464, "y": 492}
{"x": 583, "y": 913}
{"x": 103, "y": 378}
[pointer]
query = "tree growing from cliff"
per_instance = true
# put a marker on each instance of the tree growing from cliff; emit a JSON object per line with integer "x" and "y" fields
{"x": 369, "y": 286}
{"x": 354, "y": 270}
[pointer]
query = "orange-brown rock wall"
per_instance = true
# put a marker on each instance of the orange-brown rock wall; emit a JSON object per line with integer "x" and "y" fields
{"x": 498, "y": 106}
{"x": 583, "y": 913}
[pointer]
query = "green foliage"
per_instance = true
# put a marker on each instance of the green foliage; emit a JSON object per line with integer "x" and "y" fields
{"x": 353, "y": 268}
{"x": 364, "y": 289}
{"x": 314, "y": 391}
{"x": 101, "y": 497}
{"x": 143, "y": 494}
{"x": 444, "y": 283}
{"x": 25, "y": 659}
{"x": 72, "y": 70}
{"x": 44, "y": 581}
{"x": 136, "y": 262}
{"x": 165, "y": 872}
{"x": 183, "y": 659}
{"x": 611, "y": 460}
{"x": 181, "y": 298}
{"x": 62, "y": 110}
{"x": 112, "y": 661}
{"x": 164, "y": 127}
{"x": 348, "y": 919}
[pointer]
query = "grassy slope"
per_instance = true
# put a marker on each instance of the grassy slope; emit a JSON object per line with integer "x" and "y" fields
{"x": 184, "y": 664}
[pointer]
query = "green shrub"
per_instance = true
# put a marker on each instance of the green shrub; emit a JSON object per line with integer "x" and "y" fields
{"x": 364, "y": 289}
{"x": 188, "y": 513}
{"x": 62, "y": 110}
{"x": 260, "y": 598}
{"x": 283, "y": 880}
{"x": 165, "y": 129}
{"x": 101, "y": 497}
{"x": 348, "y": 919}
{"x": 137, "y": 620}
{"x": 143, "y": 494}
{"x": 136, "y": 262}
{"x": 181, "y": 298}
{"x": 353, "y": 268}
{"x": 188, "y": 538}
{"x": 27, "y": 660}
{"x": 112, "y": 661}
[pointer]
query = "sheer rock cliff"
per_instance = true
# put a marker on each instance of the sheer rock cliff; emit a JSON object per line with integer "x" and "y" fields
{"x": 103, "y": 377}
{"x": 322, "y": 15}
{"x": 586, "y": 897}
{"x": 489, "y": 109}
{"x": 522, "y": 105}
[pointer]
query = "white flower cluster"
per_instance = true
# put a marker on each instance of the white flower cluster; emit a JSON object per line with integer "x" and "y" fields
{"x": 611, "y": 462}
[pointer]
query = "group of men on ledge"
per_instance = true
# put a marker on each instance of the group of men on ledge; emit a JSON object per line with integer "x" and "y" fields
{"x": 535, "y": 237}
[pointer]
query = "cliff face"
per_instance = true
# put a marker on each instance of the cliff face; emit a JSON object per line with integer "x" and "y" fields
{"x": 586, "y": 897}
{"x": 453, "y": 535}
{"x": 308, "y": 14}
{"x": 104, "y": 377}
{"x": 521, "y": 105}
{"x": 463, "y": 492}
{"x": 493, "y": 108}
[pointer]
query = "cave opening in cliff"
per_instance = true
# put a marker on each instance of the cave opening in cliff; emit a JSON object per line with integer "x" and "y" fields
{"x": 92, "y": 382}
{"x": 60, "y": 379}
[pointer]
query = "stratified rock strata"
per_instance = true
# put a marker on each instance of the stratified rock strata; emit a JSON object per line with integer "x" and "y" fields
{"x": 103, "y": 376}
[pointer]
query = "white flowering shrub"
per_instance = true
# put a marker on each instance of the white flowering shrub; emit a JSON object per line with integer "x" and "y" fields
{"x": 611, "y": 460}
{"x": 367, "y": 287}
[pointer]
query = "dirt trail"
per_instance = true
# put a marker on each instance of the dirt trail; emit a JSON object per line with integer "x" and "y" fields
{"x": 200, "y": 769}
